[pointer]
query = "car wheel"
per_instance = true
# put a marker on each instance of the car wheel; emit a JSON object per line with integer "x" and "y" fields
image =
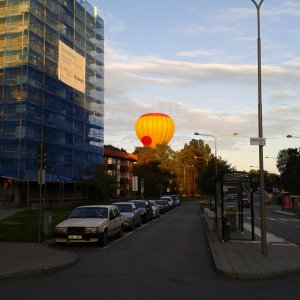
{"x": 103, "y": 240}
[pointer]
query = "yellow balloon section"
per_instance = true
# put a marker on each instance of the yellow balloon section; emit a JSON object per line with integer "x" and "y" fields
{"x": 154, "y": 128}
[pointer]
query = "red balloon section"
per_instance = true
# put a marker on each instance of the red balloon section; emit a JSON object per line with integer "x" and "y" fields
{"x": 146, "y": 140}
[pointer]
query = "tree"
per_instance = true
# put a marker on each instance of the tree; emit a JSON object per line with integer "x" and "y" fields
{"x": 288, "y": 164}
{"x": 189, "y": 164}
{"x": 207, "y": 180}
{"x": 97, "y": 183}
{"x": 155, "y": 181}
{"x": 154, "y": 165}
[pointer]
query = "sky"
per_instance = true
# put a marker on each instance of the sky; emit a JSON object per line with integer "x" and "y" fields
{"x": 196, "y": 61}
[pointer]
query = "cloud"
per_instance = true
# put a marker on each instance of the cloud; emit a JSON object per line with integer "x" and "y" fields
{"x": 135, "y": 85}
{"x": 111, "y": 23}
{"x": 286, "y": 8}
{"x": 199, "y": 53}
{"x": 196, "y": 29}
{"x": 284, "y": 94}
{"x": 138, "y": 70}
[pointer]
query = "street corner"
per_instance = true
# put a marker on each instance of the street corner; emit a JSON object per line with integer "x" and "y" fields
{"x": 29, "y": 259}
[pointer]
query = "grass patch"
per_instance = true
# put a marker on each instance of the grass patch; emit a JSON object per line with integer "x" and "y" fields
{"x": 24, "y": 226}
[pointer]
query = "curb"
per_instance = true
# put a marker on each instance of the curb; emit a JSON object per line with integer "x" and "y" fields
{"x": 266, "y": 267}
{"x": 40, "y": 271}
{"x": 24, "y": 260}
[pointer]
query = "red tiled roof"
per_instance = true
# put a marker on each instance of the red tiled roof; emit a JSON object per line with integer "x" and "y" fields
{"x": 119, "y": 154}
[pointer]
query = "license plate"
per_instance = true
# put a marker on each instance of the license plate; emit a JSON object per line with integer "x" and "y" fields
{"x": 75, "y": 237}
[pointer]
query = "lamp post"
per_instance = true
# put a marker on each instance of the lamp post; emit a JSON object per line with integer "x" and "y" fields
{"x": 260, "y": 131}
{"x": 292, "y": 136}
{"x": 215, "y": 139}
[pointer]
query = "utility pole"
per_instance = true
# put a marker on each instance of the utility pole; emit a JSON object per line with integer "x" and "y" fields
{"x": 42, "y": 158}
{"x": 260, "y": 131}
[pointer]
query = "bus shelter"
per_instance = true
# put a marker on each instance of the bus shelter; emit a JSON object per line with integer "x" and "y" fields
{"x": 234, "y": 206}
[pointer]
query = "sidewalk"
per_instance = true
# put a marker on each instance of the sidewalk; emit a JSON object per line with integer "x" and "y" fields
{"x": 243, "y": 259}
{"x": 28, "y": 259}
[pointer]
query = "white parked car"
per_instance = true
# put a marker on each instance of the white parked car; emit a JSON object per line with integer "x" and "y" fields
{"x": 90, "y": 223}
{"x": 155, "y": 209}
{"x": 170, "y": 201}
{"x": 132, "y": 216}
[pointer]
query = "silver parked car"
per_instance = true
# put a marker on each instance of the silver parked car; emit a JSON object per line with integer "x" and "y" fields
{"x": 162, "y": 205}
{"x": 132, "y": 216}
{"x": 145, "y": 208}
{"x": 90, "y": 223}
{"x": 170, "y": 201}
{"x": 155, "y": 209}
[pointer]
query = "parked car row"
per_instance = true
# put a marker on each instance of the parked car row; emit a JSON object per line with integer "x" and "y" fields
{"x": 96, "y": 223}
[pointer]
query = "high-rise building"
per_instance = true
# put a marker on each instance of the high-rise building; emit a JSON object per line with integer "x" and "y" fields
{"x": 51, "y": 87}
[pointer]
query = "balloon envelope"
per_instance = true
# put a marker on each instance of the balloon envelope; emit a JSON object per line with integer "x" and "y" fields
{"x": 154, "y": 128}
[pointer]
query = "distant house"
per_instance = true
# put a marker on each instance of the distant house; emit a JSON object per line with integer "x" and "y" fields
{"x": 120, "y": 164}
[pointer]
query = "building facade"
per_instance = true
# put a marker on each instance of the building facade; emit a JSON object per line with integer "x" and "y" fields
{"x": 51, "y": 88}
{"x": 120, "y": 164}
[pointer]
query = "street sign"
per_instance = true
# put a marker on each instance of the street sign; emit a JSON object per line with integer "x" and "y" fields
{"x": 135, "y": 183}
{"x": 257, "y": 141}
{"x": 41, "y": 176}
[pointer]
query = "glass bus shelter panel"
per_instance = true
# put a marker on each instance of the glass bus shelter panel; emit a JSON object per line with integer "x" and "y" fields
{"x": 235, "y": 207}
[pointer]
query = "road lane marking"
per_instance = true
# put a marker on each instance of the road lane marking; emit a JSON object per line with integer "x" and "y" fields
{"x": 129, "y": 233}
{"x": 270, "y": 237}
{"x": 284, "y": 212}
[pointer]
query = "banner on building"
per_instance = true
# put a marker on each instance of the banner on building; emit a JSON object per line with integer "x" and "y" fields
{"x": 71, "y": 67}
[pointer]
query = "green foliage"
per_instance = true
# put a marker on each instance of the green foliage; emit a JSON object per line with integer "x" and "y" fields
{"x": 288, "y": 164}
{"x": 164, "y": 169}
{"x": 207, "y": 180}
{"x": 155, "y": 167}
{"x": 98, "y": 183}
{"x": 115, "y": 148}
{"x": 190, "y": 163}
{"x": 24, "y": 225}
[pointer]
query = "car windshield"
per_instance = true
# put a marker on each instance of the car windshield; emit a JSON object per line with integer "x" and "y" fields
{"x": 89, "y": 212}
{"x": 167, "y": 199}
{"x": 139, "y": 204}
{"x": 152, "y": 203}
{"x": 123, "y": 207}
{"x": 159, "y": 202}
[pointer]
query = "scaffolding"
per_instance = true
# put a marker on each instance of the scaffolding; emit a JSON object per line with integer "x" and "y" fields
{"x": 35, "y": 106}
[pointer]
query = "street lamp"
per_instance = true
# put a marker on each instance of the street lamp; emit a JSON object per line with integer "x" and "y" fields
{"x": 260, "y": 131}
{"x": 200, "y": 157}
{"x": 215, "y": 139}
{"x": 292, "y": 136}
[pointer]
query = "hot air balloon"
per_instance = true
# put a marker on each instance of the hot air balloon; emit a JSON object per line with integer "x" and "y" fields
{"x": 154, "y": 128}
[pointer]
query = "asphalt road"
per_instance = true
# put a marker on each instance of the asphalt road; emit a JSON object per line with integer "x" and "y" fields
{"x": 284, "y": 225}
{"x": 167, "y": 259}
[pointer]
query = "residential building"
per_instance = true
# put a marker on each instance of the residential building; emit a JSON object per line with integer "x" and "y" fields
{"x": 51, "y": 88}
{"x": 120, "y": 164}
